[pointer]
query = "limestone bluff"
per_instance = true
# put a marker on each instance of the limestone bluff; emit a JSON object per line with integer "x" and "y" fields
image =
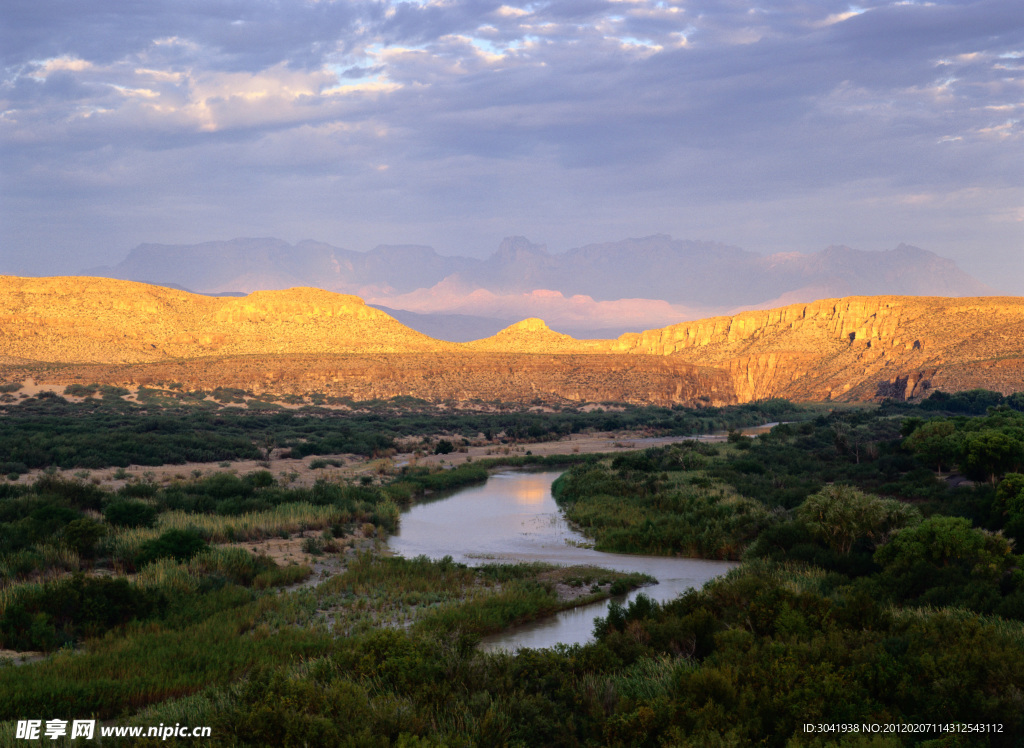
{"x": 77, "y": 329}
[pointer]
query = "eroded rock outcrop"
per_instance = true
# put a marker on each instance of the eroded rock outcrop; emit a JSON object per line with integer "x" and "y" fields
{"x": 856, "y": 348}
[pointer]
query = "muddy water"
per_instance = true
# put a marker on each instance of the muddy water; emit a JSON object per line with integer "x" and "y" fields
{"x": 513, "y": 517}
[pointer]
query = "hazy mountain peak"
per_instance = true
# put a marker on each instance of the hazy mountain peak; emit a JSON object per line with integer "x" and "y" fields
{"x": 514, "y": 248}
{"x": 404, "y": 251}
{"x": 691, "y": 277}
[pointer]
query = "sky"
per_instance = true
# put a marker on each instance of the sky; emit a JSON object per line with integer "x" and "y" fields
{"x": 778, "y": 127}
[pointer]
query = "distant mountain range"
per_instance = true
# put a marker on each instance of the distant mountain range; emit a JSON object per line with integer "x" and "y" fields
{"x": 595, "y": 290}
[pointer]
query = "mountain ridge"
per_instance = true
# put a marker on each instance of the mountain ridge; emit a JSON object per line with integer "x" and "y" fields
{"x": 852, "y": 348}
{"x": 626, "y": 285}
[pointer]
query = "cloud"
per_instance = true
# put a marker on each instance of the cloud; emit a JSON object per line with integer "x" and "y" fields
{"x": 466, "y": 120}
{"x": 577, "y": 311}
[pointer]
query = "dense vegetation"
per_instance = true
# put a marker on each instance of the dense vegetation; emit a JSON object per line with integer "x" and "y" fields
{"x": 101, "y": 432}
{"x": 848, "y": 492}
{"x": 879, "y": 585}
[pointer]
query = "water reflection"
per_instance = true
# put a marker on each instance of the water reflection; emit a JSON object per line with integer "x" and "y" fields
{"x": 513, "y": 517}
{"x": 532, "y": 490}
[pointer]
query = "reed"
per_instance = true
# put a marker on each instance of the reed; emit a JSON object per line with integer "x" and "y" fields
{"x": 234, "y": 564}
{"x": 12, "y": 591}
{"x": 285, "y": 519}
{"x": 60, "y": 557}
{"x": 149, "y": 663}
{"x": 1011, "y": 631}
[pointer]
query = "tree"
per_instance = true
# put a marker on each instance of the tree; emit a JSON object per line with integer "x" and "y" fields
{"x": 935, "y": 442}
{"x": 943, "y": 542}
{"x": 840, "y": 515}
{"x": 1010, "y": 494}
{"x": 1010, "y": 503}
{"x": 990, "y": 453}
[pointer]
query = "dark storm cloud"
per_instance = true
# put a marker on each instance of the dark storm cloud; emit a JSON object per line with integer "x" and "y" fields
{"x": 386, "y": 118}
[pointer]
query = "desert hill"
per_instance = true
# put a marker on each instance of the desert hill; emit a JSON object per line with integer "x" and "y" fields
{"x": 534, "y": 336}
{"x": 309, "y": 340}
{"x": 75, "y": 319}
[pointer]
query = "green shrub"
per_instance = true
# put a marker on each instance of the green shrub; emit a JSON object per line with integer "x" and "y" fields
{"x": 81, "y": 536}
{"x": 313, "y": 546}
{"x": 130, "y": 513}
{"x": 181, "y": 545}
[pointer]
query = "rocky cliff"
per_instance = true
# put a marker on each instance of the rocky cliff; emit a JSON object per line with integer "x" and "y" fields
{"x": 306, "y": 340}
{"x": 854, "y": 348}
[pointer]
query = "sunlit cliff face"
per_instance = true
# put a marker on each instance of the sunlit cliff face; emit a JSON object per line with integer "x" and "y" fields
{"x": 855, "y": 348}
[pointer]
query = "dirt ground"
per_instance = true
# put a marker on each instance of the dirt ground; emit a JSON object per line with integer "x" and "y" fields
{"x": 297, "y": 471}
{"x": 20, "y": 658}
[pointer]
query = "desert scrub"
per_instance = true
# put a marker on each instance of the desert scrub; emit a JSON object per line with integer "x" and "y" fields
{"x": 313, "y": 546}
{"x": 321, "y": 463}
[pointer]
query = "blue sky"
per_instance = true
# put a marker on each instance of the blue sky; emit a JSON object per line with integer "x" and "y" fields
{"x": 780, "y": 126}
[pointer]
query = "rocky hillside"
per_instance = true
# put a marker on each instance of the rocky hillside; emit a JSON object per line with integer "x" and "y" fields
{"x": 308, "y": 340}
{"x": 855, "y": 348}
{"x": 534, "y": 336}
{"x": 528, "y": 378}
{"x": 106, "y": 321}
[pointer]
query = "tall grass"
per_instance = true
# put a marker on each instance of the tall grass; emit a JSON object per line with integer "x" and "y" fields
{"x": 796, "y": 576}
{"x": 958, "y": 618}
{"x": 284, "y": 519}
{"x": 235, "y": 564}
{"x": 60, "y": 557}
{"x": 651, "y": 678}
{"x": 150, "y": 663}
{"x": 194, "y": 709}
{"x": 42, "y": 561}
{"x": 12, "y": 591}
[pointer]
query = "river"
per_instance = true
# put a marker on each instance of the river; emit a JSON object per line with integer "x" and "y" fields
{"x": 513, "y": 517}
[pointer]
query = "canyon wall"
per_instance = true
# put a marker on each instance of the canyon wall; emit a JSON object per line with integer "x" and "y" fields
{"x": 306, "y": 340}
{"x": 855, "y": 348}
